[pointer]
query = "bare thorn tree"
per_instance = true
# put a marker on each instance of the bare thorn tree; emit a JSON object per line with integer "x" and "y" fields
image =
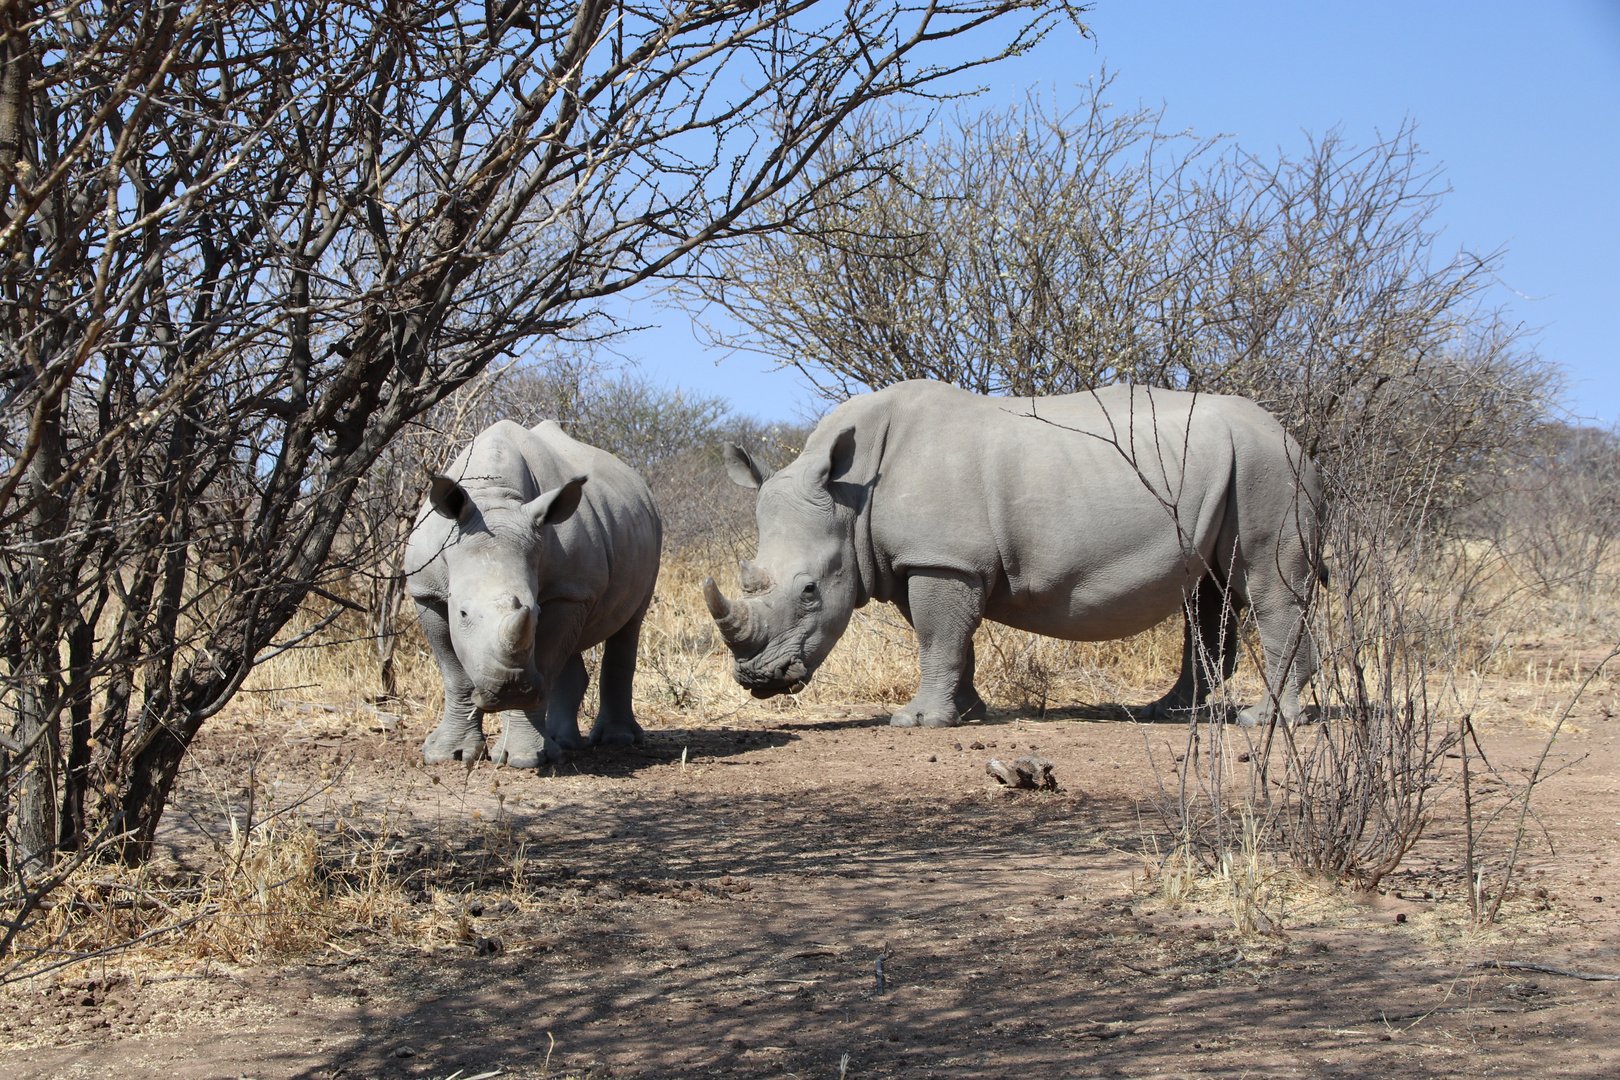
{"x": 246, "y": 244}
{"x": 1035, "y": 251}
{"x": 1038, "y": 251}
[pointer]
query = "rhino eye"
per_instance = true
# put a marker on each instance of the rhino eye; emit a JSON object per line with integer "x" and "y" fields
{"x": 809, "y": 592}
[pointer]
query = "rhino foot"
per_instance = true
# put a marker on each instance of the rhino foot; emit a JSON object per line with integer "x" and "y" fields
{"x": 459, "y": 742}
{"x": 970, "y": 706}
{"x": 1260, "y": 716}
{"x": 523, "y": 755}
{"x": 568, "y": 740}
{"x": 617, "y": 733}
{"x": 1160, "y": 711}
{"x": 467, "y": 750}
{"x": 915, "y": 715}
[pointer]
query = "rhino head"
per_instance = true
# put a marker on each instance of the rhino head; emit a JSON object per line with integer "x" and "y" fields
{"x": 494, "y": 558}
{"x": 799, "y": 592}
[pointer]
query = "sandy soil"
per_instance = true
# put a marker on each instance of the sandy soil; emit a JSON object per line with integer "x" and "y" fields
{"x": 725, "y": 916}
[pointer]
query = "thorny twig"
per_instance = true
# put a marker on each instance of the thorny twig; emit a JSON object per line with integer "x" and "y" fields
{"x": 1535, "y": 776}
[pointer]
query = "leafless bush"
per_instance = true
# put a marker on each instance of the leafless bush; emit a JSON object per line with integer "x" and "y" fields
{"x": 1034, "y": 251}
{"x": 1556, "y": 515}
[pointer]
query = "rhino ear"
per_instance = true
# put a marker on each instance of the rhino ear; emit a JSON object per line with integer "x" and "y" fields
{"x": 742, "y": 468}
{"x": 449, "y": 499}
{"x": 840, "y": 456}
{"x": 556, "y": 506}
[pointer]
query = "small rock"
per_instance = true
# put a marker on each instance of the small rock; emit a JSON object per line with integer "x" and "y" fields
{"x": 1028, "y": 773}
{"x": 1400, "y": 916}
{"x": 1243, "y": 757}
{"x": 404, "y": 1052}
{"x": 975, "y": 745}
{"x": 486, "y": 946}
{"x": 957, "y": 745}
{"x": 932, "y": 757}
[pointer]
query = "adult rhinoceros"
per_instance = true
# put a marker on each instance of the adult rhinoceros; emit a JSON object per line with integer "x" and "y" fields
{"x": 1088, "y": 517}
{"x": 531, "y": 548}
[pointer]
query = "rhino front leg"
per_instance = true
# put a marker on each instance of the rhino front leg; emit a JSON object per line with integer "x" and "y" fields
{"x": 528, "y": 740}
{"x": 616, "y": 720}
{"x": 460, "y": 734}
{"x": 945, "y": 608}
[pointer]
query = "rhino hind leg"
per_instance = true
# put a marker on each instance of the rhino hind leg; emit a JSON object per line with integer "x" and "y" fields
{"x": 1209, "y": 651}
{"x": 1290, "y": 657}
{"x": 616, "y": 719}
{"x": 945, "y": 607}
{"x": 969, "y": 705}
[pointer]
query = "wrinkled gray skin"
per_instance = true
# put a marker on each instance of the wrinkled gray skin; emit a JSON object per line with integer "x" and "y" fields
{"x": 1087, "y": 517}
{"x": 530, "y": 549}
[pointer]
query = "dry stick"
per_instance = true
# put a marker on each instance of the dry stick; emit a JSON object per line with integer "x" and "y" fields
{"x": 1468, "y": 825}
{"x": 1535, "y": 774}
{"x": 1520, "y": 965}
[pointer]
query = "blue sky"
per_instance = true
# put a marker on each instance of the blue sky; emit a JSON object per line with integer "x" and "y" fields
{"x": 1518, "y": 103}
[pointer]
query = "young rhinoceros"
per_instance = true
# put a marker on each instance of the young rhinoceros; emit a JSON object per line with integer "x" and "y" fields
{"x": 530, "y": 549}
{"x": 1087, "y": 517}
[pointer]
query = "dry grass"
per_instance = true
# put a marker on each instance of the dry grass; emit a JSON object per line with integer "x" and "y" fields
{"x": 314, "y": 873}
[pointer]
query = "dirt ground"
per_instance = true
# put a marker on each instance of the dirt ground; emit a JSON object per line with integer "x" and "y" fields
{"x": 717, "y": 903}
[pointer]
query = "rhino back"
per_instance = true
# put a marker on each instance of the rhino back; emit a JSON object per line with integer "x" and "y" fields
{"x": 1085, "y": 515}
{"x": 607, "y": 553}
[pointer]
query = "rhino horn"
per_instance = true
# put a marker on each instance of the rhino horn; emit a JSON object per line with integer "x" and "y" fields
{"x": 753, "y": 578}
{"x": 517, "y": 630}
{"x": 732, "y": 619}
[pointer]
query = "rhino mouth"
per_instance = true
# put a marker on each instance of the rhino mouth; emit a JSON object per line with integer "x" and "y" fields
{"x": 519, "y": 692}
{"x": 763, "y": 692}
{"x": 794, "y": 678}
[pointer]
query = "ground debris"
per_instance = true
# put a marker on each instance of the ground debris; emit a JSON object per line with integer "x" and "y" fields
{"x": 1029, "y": 773}
{"x": 1520, "y": 965}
